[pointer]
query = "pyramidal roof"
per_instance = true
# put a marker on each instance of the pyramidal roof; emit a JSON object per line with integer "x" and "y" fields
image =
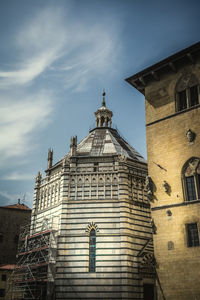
{"x": 103, "y": 141}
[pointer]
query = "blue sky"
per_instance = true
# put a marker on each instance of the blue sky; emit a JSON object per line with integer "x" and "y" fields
{"x": 55, "y": 59}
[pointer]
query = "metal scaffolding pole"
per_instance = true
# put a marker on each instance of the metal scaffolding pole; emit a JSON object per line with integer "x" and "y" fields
{"x": 33, "y": 276}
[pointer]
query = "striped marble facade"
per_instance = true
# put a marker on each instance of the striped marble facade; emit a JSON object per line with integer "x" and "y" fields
{"x": 113, "y": 202}
{"x": 99, "y": 186}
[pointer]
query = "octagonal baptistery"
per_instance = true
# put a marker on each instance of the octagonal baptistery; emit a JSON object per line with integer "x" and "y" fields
{"x": 95, "y": 199}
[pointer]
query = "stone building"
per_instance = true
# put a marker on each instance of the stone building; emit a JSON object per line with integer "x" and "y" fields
{"x": 5, "y": 273}
{"x": 172, "y": 103}
{"x": 93, "y": 203}
{"x": 11, "y": 218}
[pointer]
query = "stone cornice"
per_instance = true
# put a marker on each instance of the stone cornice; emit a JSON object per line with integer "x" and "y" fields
{"x": 169, "y": 65}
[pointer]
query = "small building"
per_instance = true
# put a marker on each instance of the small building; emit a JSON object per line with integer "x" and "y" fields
{"x": 5, "y": 273}
{"x": 91, "y": 230}
{"x": 11, "y": 218}
{"x": 172, "y": 102}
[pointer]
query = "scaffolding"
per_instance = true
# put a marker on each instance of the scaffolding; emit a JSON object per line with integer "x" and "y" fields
{"x": 34, "y": 274}
{"x": 147, "y": 261}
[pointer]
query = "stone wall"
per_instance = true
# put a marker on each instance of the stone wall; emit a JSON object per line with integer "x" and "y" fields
{"x": 168, "y": 149}
{"x": 122, "y": 229}
{"x": 109, "y": 196}
{"x": 10, "y": 221}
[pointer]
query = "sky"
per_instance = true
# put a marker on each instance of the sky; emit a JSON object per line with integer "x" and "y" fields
{"x": 56, "y": 57}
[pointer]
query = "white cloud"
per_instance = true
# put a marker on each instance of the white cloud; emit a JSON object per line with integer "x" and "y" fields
{"x": 39, "y": 44}
{"x": 18, "y": 176}
{"x": 13, "y": 198}
{"x": 43, "y": 31}
{"x": 52, "y": 42}
{"x": 71, "y": 53}
{"x": 20, "y": 118}
{"x": 30, "y": 69}
{"x": 97, "y": 52}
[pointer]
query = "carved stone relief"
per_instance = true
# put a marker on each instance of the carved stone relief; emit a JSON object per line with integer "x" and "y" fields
{"x": 153, "y": 226}
{"x": 190, "y": 136}
{"x": 170, "y": 245}
{"x": 149, "y": 187}
{"x": 166, "y": 186}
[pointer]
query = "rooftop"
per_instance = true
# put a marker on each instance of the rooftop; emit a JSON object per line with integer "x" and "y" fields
{"x": 170, "y": 64}
{"x": 102, "y": 141}
{"x": 7, "y": 267}
{"x": 106, "y": 141}
{"x": 20, "y": 206}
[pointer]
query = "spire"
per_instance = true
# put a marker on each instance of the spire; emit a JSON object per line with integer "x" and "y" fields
{"x": 103, "y": 100}
{"x": 50, "y": 158}
{"x": 103, "y": 114}
{"x": 73, "y": 145}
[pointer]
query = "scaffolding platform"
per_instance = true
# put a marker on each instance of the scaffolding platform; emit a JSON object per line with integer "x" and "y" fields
{"x": 34, "y": 274}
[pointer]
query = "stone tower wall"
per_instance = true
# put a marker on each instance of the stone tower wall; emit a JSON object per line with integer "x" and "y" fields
{"x": 168, "y": 149}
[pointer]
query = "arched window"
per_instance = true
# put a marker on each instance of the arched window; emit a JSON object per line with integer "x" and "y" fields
{"x": 102, "y": 121}
{"x": 108, "y": 187}
{"x": 94, "y": 181}
{"x": 87, "y": 188}
{"x": 101, "y": 182}
{"x": 72, "y": 182}
{"x": 101, "y": 188}
{"x": 80, "y": 181}
{"x": 94, "y": 188}
{"x": 187, "y": 92}
{"x": 191, "y": 179}
{"x": 92, "y": 251}
{"x": 87, "y": 183}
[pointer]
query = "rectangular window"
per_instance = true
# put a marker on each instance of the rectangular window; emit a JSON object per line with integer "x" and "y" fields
{"x": 2, "y": 292}
{"x": 3, "y": 277}
{"x": 190, "y": 188}
{"x": 182, "y": 100}
{"x": 194, "y": 99}
{"x": 192, "y": 235}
